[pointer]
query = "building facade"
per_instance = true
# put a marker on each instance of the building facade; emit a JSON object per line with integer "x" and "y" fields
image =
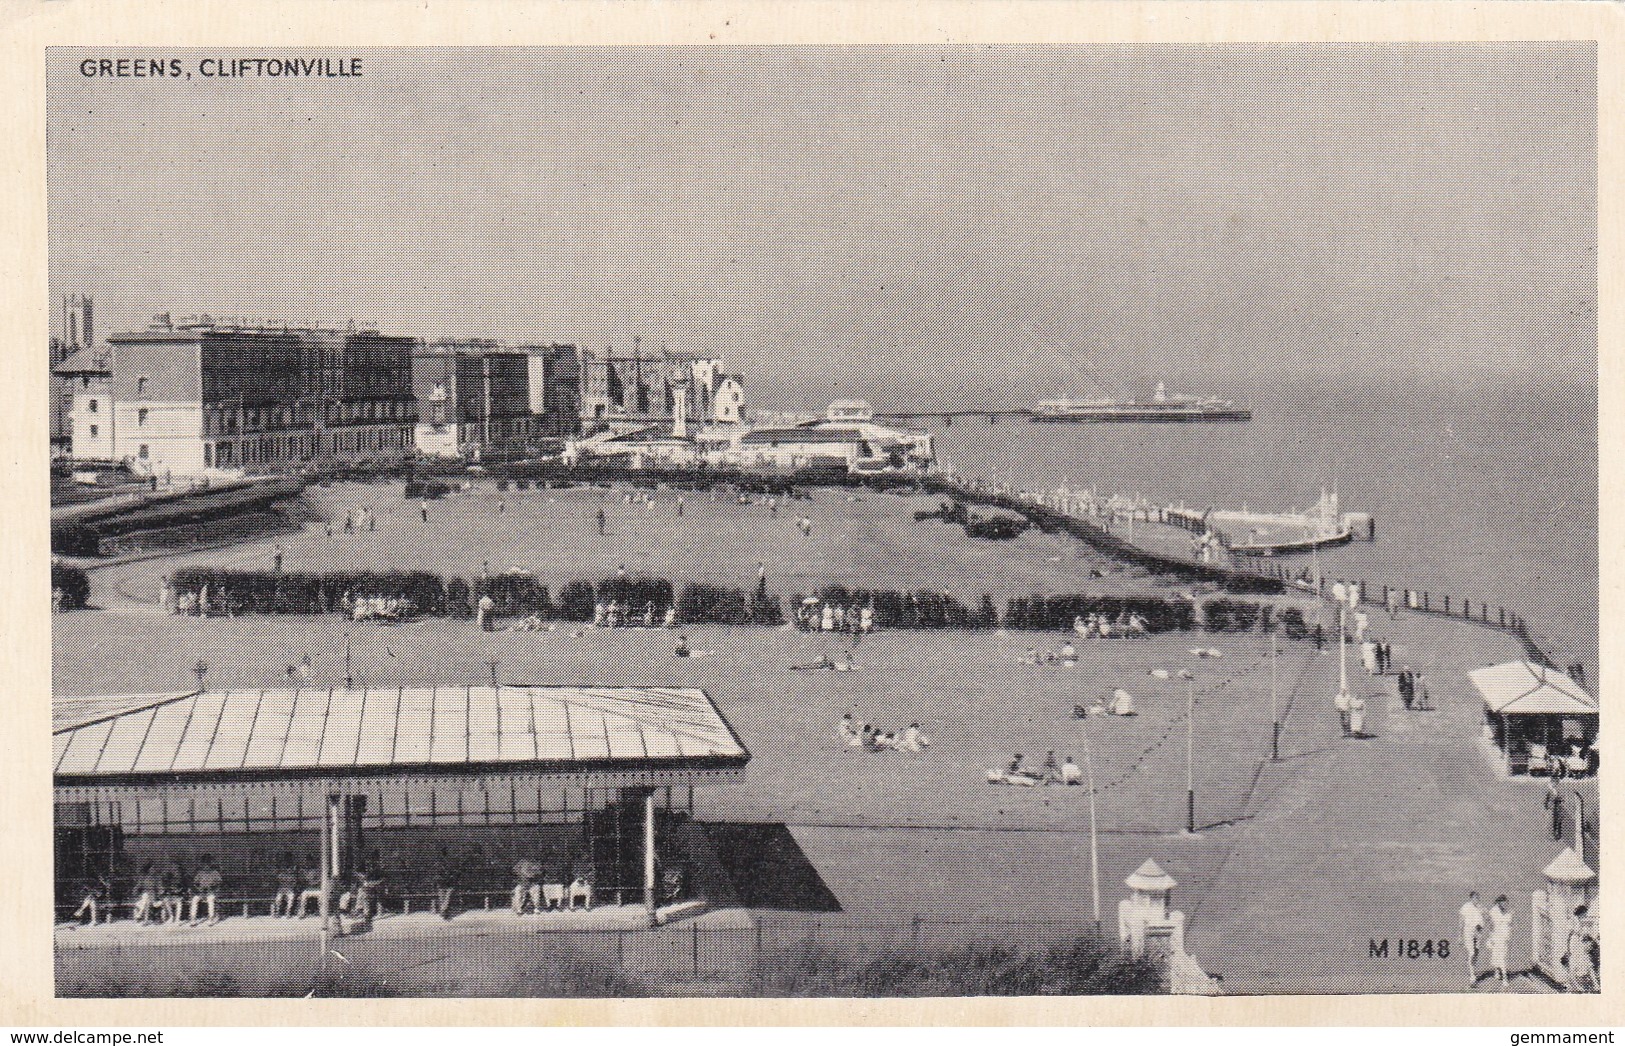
{"x": 473, "y": 396}
{"x": 197, "y": 395}
{"x": 78, "y": 334}
{"x": 640, "y": 385}
{"x": 555, "y": 387}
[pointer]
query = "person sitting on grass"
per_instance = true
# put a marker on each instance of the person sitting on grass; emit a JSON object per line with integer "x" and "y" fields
{"x": 859, "y": 736}
{"x": 1123, "y": 704}
{"x": 682, "y": 647}
{"x": 847, "y": 728}
{"x": 1071, "y": 773}
{"x": 1051, "y": 771}
{"x": 1069, "y": 653}
{"x": 913, "y": 739}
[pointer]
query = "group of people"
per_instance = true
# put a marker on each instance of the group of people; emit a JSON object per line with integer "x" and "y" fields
{"x": 1413, "y": 690}
{"x": 1052, "y": 772}
{"x": 545, "y": 890}
{"x": 856, "y": 734}
{"x": 159, "y": 895}
{"x": 812, "y": 616}
{"x": 1121, "y": 704}
{"x": 376, "y": 608}
{"x": 1351, "y": 711}
{"x": 616, "y": 615}
{"x": 1103, "y": 626}
{"x": 1481, "y": 930}
{"x": 1068, "y": 656}
{"x": 1491, "y": 930}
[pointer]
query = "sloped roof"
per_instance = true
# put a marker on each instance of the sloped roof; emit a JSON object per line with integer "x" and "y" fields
{"x": 1525, "y": 688}
{"x": 88, "y": 360}
{"x": 304, "y": 732}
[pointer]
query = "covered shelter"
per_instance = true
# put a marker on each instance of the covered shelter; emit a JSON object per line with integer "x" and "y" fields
{"x": 1539, "y": 719}
{"x": 588, "y": 782}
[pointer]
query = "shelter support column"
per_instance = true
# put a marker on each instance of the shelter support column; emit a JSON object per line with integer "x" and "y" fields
{"x": 649, "y": 854}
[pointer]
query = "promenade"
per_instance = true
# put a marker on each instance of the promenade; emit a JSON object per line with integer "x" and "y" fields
{"x": 1354, "y": 841}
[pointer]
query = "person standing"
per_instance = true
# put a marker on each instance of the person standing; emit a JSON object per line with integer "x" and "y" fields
{"x": 1500, "y": 936}
{"x": 1553, "y": 802}
{"x": 276, "y": 559}
{"x": 1472, "y": 934}
{"x": 1577, "y": 960}
{"x": 423, "y": 511}
{"x": 1356, "y": 716}
{"x": 486, "y": 610}
{"x": 600, "y": 522}
{"x": 1343, "y": 703}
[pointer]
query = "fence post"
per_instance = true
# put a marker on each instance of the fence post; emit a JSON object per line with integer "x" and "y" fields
{"x": 761, "y": 971}
{"x": 1447, "y": 604}
{"x": 695, "y": 937}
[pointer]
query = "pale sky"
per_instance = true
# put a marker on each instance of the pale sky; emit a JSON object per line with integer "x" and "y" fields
{"x": 981, "y": 223}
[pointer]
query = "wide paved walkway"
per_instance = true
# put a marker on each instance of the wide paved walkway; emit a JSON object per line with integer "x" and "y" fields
{"x": 1362, "y": 841}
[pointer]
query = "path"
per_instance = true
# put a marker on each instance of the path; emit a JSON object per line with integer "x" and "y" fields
{"x": 1356, "y": 841}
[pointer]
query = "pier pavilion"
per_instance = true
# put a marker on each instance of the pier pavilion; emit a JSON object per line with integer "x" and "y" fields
{"x": 587, "y": 781}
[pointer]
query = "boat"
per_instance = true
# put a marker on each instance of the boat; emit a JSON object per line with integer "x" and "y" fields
{"x": 1164, "y": 406}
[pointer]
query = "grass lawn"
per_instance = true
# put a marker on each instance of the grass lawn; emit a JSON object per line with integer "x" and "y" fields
{"x": 859, "y": 539}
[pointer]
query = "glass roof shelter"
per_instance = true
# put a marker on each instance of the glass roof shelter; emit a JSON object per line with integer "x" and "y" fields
{"x": 244, "y": 763}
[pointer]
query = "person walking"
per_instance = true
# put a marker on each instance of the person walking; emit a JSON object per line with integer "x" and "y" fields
{"x": 1472, "y": 935}
{"x": 1500, "y": 919}
{"x": 600, "y": 522}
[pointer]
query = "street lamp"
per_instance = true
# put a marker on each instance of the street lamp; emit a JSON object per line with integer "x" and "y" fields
{"x": 349, "y": 679}
{"x": 1275, "y": 714}
{"x": 1190, "y": 749}
{"x": 1094, "y": 827}
{"x": 493, "y": 663}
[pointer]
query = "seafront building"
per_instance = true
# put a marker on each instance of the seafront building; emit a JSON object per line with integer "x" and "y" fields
{"x": 208, "y": 395}
{"x": 625, "y": 389}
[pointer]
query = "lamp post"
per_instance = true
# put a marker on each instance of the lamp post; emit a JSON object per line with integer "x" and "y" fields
{"x": 492, "y": 663}
{"x": 349, "y": 679}
{"x": 1190, "y": 749}
{"x": 1275, "y": 715}
{"x": 1094, "y": 827}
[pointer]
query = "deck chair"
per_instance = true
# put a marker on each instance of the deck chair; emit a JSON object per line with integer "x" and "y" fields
{"x": 1539, "y": 761}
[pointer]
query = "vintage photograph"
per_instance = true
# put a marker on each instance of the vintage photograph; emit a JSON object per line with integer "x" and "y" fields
{"x": 858, "y": 521}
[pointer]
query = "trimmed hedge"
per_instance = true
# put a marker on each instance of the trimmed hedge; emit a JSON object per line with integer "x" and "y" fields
{"x": 716, "y": 604}
{"x": 576, "y": 601}
{"x": 1293, "y": 626}
{"x": 426, "y": 489}
{"x": 1230, "y": 615}
{"x": 264, "y": 592}
{"x": 73, "y": 583}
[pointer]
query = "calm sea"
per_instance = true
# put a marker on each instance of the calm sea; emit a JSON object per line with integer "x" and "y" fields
{"x": 1482, "y": 490}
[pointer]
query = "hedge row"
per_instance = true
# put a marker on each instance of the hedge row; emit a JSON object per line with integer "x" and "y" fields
{"x": 263, "y": 592}
{"x": 73, "y": 583}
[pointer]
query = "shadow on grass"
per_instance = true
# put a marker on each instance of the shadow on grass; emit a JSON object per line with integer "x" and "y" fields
{"x": 767, "y": 868}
